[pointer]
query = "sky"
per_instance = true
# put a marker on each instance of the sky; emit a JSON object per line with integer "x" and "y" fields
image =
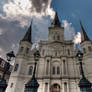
{"x": 16, "y": 16}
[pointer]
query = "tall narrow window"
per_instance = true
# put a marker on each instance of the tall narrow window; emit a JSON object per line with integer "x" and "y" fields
{"x": 47, "y": 67}
{"x": 58, "y": 70}
{"x": 53, "y": 70}
{"x": 43, "y": 52}
{"x": 68, "y": 52}
{"x": 30, "y": 70}
{"x": 65, "y": 87}
{"x": 16, "y": 67}
{"x": 64, "y": 65}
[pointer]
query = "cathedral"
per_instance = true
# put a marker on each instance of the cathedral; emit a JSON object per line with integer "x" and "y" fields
{"x": 57, "y": 69}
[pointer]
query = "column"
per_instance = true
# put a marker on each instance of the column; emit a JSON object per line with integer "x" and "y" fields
{"x": 48, "y": 87}
{"x": 62, "y": 87}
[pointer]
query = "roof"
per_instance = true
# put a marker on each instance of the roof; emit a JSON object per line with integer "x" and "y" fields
{"x": 84, "y": 36}
{"x": 28, "y": 34}
{"x": 56, "y": 21}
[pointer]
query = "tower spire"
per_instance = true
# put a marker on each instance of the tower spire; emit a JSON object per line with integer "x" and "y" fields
{"x": 84, "y": 36}
{"x": 28, "y": 35}
{"x": 56, "y": 21}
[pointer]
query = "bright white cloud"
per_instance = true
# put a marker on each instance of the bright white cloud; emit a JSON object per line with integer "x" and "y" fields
{"x": 69, "y": 30}
{"x": 17, "y": 8}
{"x": 77, "y": 38}
{"x": 35, "y": 46}
{"x": 23, "y": 11}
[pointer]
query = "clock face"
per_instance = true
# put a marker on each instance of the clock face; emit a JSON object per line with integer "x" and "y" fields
{"x": 56, "y": 46}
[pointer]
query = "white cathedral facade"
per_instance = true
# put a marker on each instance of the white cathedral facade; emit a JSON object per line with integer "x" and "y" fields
{"x": 57, "y": 69}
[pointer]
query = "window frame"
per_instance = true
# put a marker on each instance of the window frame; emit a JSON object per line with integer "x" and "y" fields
{"x": 30, "y": 71}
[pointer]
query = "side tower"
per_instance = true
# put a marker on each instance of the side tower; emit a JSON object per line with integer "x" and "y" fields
{"x": 17, "y": 78}
{"x": 86, "y": 45}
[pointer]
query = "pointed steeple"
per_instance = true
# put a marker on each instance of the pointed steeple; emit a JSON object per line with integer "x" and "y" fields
{"x": 28, "y": 35}
{"x": 84, "y": 36}
{"x": 56, "y": 21}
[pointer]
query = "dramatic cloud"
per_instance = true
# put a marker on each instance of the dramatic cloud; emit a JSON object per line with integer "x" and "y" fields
{"x": 19, "y": 8}
{"x": 40, "y": 5}
{"x": 69, "y": 31}
{"x": 16, "y": 18}
{"x": 77, "y": 38}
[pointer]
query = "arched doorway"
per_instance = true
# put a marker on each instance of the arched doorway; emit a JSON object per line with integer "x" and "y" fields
{"x": 55, "y": 88}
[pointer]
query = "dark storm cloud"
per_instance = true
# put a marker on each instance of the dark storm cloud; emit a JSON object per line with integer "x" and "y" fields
{"x": 38, "y": 5}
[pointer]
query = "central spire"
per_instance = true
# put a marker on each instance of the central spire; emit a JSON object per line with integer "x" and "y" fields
{"x": 28, "y": 35}
{"x": 56, "y": 21}
{"x": 84, "y": 36}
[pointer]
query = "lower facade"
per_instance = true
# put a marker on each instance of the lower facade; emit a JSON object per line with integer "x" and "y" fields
{"x": 46, "y": 85}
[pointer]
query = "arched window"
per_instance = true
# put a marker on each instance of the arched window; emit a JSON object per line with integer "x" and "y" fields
{"x": 58, "y": 70}
{"x": 16, "y": 67}
{"x": 53, "y": 70}
{"x": 55, "y": 88}
{"x": 30, "y": 70}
